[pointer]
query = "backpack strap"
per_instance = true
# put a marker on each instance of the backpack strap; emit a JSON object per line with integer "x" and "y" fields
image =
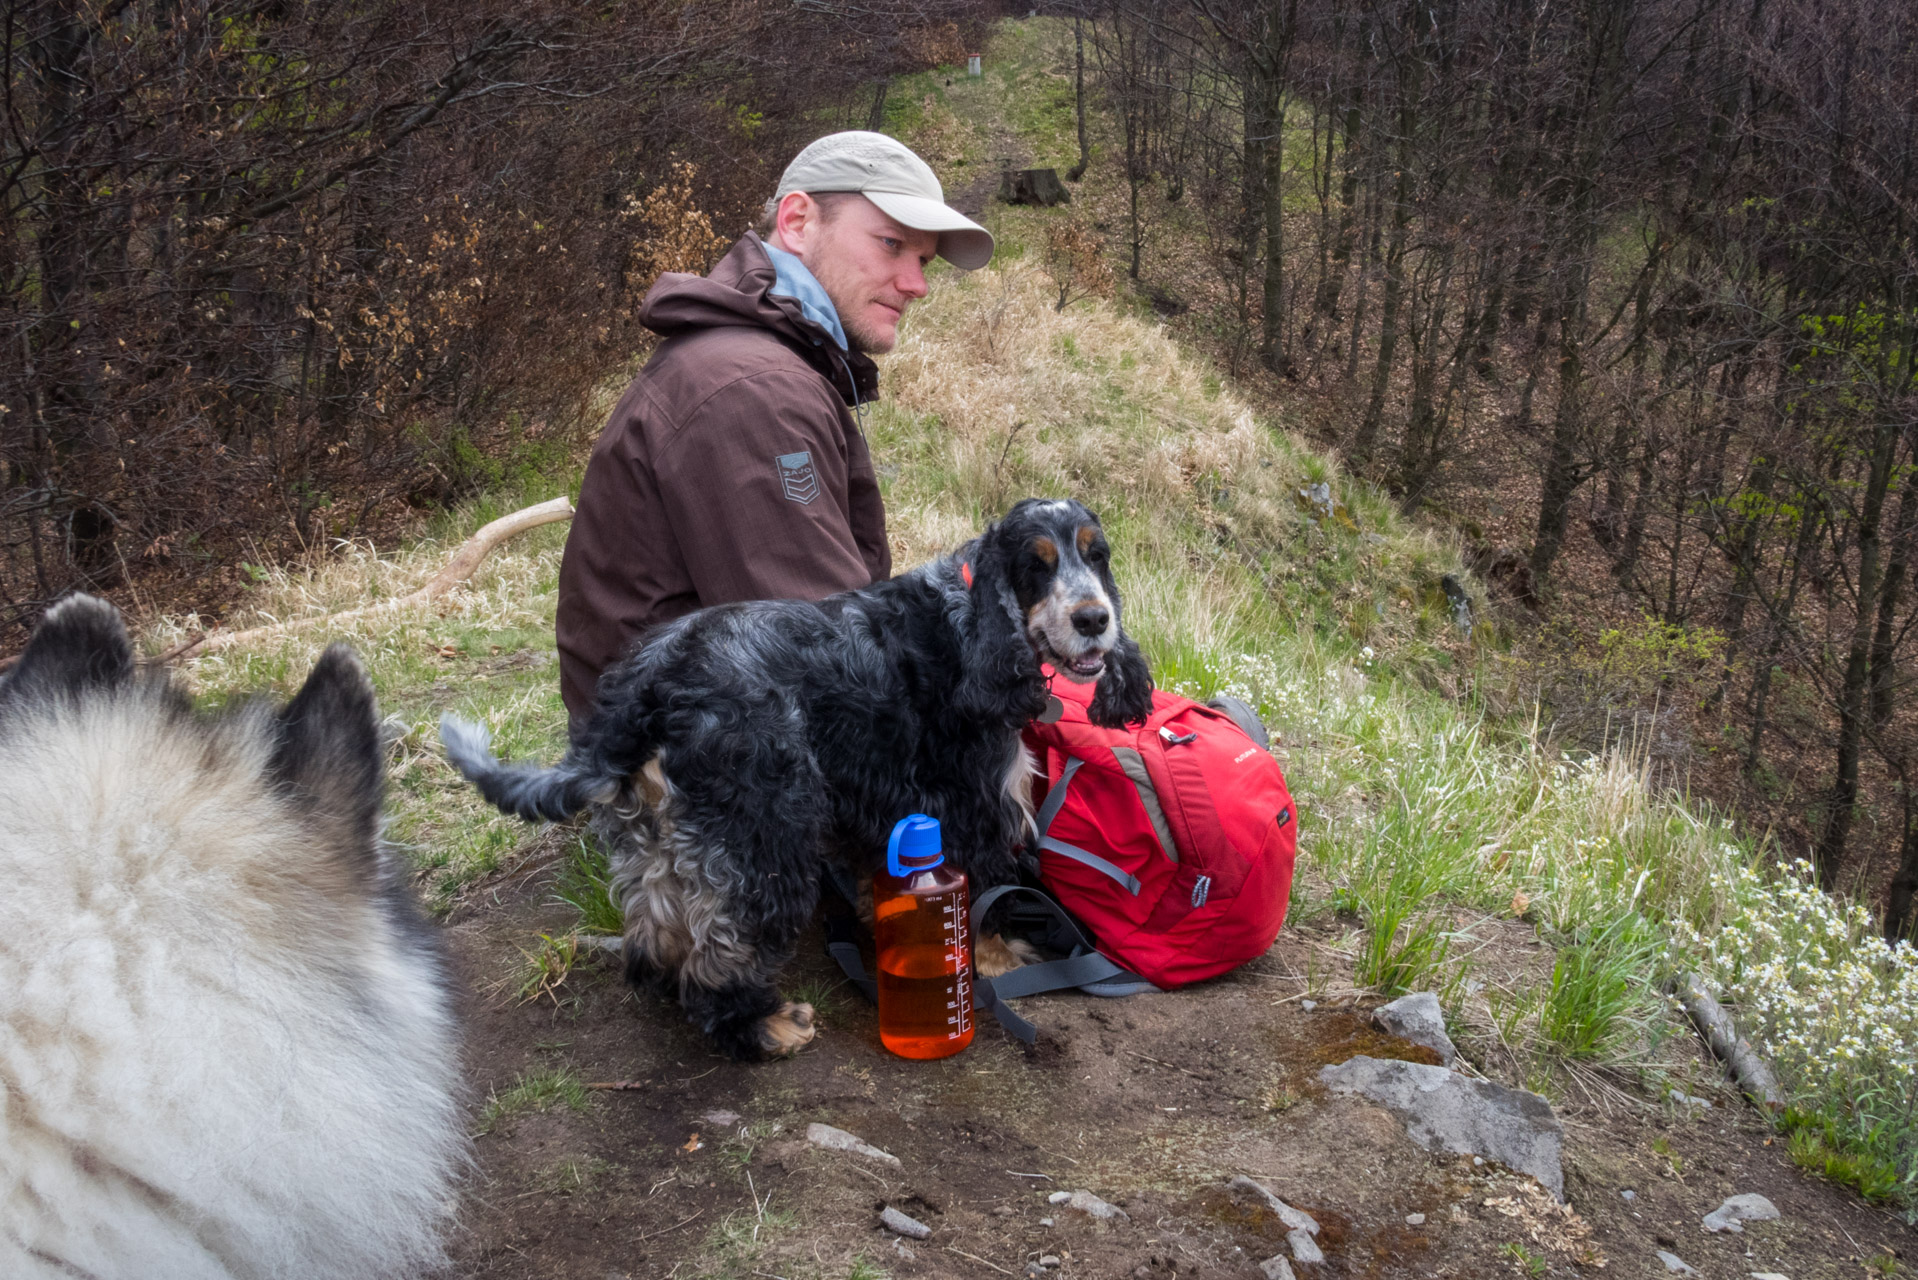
{"x": 840, "y": 900}
{"x": 1085, "y": 968}
{"x": 1042, "y": 822}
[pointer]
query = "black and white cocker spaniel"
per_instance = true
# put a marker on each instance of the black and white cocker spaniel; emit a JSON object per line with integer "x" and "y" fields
{"x": 738, "y": 749}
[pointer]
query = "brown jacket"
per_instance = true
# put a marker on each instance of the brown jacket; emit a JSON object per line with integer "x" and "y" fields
{"x": 732, "y": 469}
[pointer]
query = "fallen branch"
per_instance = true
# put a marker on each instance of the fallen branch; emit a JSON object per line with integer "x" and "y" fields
{"x": 1736, "y": 1052}
{"x": 461, "y": 567}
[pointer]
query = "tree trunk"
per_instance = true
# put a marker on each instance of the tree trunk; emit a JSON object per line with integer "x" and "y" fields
{"x": 1853, "y": 695}
{"x": 1078, "y": 170}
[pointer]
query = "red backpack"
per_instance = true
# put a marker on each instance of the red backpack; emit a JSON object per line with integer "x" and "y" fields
{"x": 1173, "y": 843}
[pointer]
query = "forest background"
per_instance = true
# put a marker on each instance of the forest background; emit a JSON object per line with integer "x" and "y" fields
{"x": 1624, "y": 292}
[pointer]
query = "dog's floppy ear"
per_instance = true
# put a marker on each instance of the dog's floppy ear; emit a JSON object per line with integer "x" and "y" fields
{"x": 999, "y": 674}
{"x": 1124, "y": 692}
{"x": 327, "y": 751}
{"x": 80, "y": 647}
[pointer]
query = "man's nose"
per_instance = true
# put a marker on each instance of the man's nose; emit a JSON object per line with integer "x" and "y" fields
{"x": 912, "y": 281}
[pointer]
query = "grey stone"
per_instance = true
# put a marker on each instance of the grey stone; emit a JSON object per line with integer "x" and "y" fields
{"x": 1087, "y": 1203}
{"x": 1628, "y": 1196}
{"x": 1461, "y": 601}
{"x": 1304, "y": 1247}
{"x": 1294, "y": 1219}
{"x": 721, "y": 1119}
{"x": 1308, "y": 1006}
{"x": 1049, "y": 1260}
{"x": 1034, "y": 1269}
{"x": 1414, "y": 1219}
{"x": 1740, "y": 1209}
{"x": 1684, "y": 1099}
{"x": 904, "y": 1250}
{"x": 1446, "y": 1112}
{"x": 824, "y": 1135}
{"x": 1045, "y": 1222}
{"x": 1277, "y": 1268}
{"x": 1676, "y": 1264}
{"x": 1417, "y": 1018}
{"x": 1768, "y": 1275}
{"x": 893, "y": 1220}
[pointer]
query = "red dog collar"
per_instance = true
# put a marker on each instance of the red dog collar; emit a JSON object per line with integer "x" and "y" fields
{"x": 965, "y": 572}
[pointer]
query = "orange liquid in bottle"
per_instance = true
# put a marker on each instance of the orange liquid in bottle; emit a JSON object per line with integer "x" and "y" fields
{"x": 923, "y": 937}
{"x": 925, "y": 965}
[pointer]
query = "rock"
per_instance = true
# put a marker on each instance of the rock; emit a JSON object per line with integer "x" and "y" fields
{"x": 1045, "y": 1222}
{"x": 1308, "y": 1005}
{"x": 1294, "y": 1219}
{"x": 1087, "y": 1203}
{"x": 1003, "y": 1211}
{"x": 1034, "y": 1269}
{"x": 1414, "y": 1219}
{"x": 1628, "y": 1196}
{"x": 1304, "y": 1247}
{"x": 905, "y": 1251}
{"x": 1461, "y": 601}
{"x": 1417, "y": 1018}
{"x": 1740, "y": 1209}
{"x": 893, "y": 1220}
{"x": 1277, "y": 1268}
{"x": 1684, "y": 1099}
{"x": 1446, "y": 1112}
{"x": 1049, "y": 1261}
{"x": 1768, "y": 1275}
{"x": 824, "y": 1135}
{"x": 1676, "y": 1264}
{"x": 721, "y": 1119}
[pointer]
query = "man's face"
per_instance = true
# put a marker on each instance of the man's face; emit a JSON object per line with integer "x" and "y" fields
{"x": 870, "y": 266}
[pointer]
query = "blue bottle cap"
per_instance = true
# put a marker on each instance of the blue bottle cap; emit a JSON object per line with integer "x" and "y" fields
{"x": 914, "y": 846}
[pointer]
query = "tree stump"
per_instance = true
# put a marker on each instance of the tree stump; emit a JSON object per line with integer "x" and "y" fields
{"x": 1033, "y": 186}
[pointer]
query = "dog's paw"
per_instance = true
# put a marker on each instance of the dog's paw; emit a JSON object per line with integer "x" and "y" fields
{"x": 787, "y": 1032}
{"x": 996, "y": 954}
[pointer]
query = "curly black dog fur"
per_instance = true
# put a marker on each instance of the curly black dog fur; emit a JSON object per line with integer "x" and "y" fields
{"x": 737, "y": 748}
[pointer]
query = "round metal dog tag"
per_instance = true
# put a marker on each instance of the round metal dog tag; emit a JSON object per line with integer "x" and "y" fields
{"x": 1054, "y": 709}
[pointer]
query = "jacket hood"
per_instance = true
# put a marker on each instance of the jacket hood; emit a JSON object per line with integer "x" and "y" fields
{"x": 737, "y": 293}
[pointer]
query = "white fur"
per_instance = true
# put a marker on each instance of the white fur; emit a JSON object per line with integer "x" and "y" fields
{"x": 220, "y": 1055}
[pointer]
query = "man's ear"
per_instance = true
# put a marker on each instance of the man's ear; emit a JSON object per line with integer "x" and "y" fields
{"x": 1124, "y": 692}
{"x": 796, "y": 223}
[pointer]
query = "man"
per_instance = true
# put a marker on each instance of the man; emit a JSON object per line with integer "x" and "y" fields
{"x": 733, "y": 468}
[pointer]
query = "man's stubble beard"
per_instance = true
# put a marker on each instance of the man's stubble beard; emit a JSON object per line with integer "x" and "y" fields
{"x": 858, "y": 336}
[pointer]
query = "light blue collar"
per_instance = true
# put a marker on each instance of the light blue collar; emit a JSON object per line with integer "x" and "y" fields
{"x": 796, "y": 282}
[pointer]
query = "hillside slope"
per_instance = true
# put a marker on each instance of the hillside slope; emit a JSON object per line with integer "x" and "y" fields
{"x": 1442, "y": 849}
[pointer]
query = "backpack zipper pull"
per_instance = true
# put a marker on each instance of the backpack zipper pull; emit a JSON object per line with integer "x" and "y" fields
{"x": 1175, "y": 739}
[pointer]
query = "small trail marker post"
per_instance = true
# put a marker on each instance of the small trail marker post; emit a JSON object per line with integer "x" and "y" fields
{"x": 972, "y": 65}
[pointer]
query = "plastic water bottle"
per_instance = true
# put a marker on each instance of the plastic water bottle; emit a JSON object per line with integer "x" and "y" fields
{"x": 920, "y": 911}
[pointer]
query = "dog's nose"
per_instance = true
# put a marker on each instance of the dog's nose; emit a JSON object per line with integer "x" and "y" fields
{"x": 1091, "y": 619}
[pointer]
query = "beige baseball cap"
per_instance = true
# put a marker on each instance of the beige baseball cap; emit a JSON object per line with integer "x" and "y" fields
{"x": 904, "y": 187}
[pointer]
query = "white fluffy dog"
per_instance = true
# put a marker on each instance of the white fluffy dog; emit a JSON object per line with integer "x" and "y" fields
{"x": 226, "y": 1043}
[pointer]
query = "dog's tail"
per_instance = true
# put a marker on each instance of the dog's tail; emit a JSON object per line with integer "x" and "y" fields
{"x": 526, "y": 791}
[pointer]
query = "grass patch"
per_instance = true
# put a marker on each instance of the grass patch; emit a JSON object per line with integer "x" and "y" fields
{"x": 535, "y": 1091}
{"x": 572, "y": 1175}
{"x": 585, "y": 884}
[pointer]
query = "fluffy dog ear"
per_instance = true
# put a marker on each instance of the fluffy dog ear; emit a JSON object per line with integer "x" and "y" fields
{"x": 999, "y": 675}
{"x": 327, "y": 753}
{"x": 79, "y": 647}
{"x": 1124, "y": 692}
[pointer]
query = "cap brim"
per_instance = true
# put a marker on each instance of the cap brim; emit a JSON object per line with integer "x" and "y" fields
{"x": 962, "y": 242}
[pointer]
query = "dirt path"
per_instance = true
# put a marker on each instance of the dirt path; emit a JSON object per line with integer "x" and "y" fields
{"x": 1152, "y": 1103}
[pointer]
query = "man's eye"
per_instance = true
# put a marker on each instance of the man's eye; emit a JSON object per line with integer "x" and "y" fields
{"x": 890, "y": 243}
